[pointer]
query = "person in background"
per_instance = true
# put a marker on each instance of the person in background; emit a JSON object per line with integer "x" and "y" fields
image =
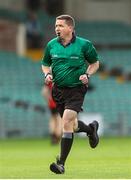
{"x": 55, "y": 122}
{"x": 33, "y": 31}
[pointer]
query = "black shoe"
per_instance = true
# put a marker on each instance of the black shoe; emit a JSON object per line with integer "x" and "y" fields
{"x": 93, "y": 137}
{"x": 57, "y": 167}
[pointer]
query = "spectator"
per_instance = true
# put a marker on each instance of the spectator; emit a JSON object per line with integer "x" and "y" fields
{"x": 33, "y": 31}
{"x": 55, "y": 120}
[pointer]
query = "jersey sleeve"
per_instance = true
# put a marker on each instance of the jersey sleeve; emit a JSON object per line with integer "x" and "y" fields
{"x": 90, "y": 53}
{"x": 46, "y": 60}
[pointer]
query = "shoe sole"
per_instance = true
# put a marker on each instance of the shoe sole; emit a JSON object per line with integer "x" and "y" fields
{"x": 54, "y": 168}
{"x": 95, "y": 133}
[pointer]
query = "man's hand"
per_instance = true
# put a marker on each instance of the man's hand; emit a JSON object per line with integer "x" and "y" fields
{"x": 48, "y": 78}
{"x": 84, "y": 79}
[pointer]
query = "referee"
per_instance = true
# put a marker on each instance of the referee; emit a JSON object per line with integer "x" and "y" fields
{"x": 72, "y": 60}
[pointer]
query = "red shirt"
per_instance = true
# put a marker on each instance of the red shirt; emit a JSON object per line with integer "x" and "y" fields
{"x": 51, "y": 102}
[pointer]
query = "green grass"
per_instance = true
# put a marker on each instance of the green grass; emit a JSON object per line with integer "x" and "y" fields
{"x": 30, "y": 158}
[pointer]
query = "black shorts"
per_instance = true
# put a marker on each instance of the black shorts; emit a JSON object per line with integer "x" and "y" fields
{"x": 53, "y": 111}
{"x": 69, "y": 97}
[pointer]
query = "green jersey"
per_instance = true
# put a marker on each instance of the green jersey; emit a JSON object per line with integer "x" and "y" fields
{"x": 70, "y": 61}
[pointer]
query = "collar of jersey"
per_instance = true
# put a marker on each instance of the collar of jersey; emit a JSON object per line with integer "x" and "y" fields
{"x": 71, "y": 41}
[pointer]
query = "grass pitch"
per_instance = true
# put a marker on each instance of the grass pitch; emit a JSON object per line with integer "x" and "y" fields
{"x": 30, "y": 159}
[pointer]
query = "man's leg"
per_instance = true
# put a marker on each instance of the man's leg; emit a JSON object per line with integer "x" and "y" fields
{"x": 55, "y": 128}
{"x": 58, "y": 126}
{"x": 80, "y": 126}
{"x": 55, "y": 135}
{"x": 90, "y": 130}
{"x": 69, "y": 117}
{"x": 52, "y": 129}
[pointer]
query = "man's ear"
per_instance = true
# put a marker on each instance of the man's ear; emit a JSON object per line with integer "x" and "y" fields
{"x": 71, "y": 28}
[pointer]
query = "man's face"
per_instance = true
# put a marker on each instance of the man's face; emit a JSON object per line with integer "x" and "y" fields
{"x": 62, "y": 29}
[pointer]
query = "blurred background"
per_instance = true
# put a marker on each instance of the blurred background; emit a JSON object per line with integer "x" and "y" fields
{"x": 25, "y": 28}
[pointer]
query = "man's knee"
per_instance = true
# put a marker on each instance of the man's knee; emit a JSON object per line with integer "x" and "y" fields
{"x": 69, "y": 120}
{"x": 67, "y": 125}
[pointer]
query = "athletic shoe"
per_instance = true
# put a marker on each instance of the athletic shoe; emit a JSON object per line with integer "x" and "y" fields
{"x": 57, "y": 167}
{"x": 93, "y": 137}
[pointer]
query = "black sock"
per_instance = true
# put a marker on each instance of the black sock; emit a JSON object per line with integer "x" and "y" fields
{"x": 82, "y": 127}
{"x": 66, "y": 144}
